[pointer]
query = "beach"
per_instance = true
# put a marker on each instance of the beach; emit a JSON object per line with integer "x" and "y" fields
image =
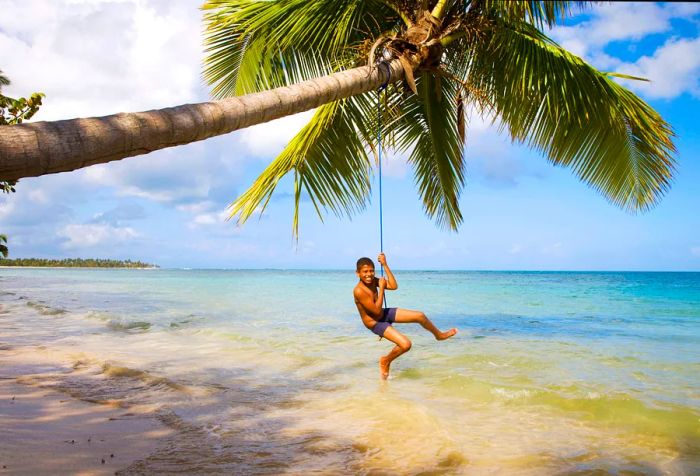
{"x": 49, "y": 432}
{"x": 271, "y": 372}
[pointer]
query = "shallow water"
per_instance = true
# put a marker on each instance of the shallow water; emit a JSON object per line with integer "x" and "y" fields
{"x": 267, "y": 372}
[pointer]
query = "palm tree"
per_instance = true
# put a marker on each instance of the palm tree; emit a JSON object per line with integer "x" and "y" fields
{"x": 451, "y": 55}
{"x": 3, "y": 249}
{"x": 4, "y": 80}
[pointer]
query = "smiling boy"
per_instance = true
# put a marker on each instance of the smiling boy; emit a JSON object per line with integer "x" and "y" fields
{"x": 369, "y": 297}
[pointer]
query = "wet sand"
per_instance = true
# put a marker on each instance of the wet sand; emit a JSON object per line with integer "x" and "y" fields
{"x": 43, "y": 431}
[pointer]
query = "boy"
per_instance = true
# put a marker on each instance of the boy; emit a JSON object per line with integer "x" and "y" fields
{"x": 369, "y": 297}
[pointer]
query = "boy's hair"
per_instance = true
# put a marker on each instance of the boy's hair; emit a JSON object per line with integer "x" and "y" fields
{"x": 364, "y": 261}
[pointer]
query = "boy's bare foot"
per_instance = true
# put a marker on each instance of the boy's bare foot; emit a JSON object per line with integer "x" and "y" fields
{"x": 447, "y": 334}
{"x": 384, "y": 364}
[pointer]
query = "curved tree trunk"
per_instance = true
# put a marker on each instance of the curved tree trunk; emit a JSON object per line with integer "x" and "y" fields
{"x": 33, "y": 149}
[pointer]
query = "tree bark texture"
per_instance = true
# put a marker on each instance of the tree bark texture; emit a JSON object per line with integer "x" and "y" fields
{"x": 39, "y": 148}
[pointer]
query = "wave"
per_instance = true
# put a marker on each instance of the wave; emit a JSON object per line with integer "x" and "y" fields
{"x": 110, "y": 384}
{"x": 118, "y": 371}
{"x": 127, "y": 326}
{"x": 45, "y": 310}
{"x": 184, "y": 321}
{"x": 225, "y": 335}
{"x": 119, "y": 324}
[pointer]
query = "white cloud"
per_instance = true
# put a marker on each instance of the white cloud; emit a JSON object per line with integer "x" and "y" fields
{"x": 673, "y": 69}
{"x": 101, "y": 57}
{"x": 683, "y": 9}
{"x": 85, "y": 236}
{"x": 38, "y": 202}
{"x": 214, "y": 218}
{"x": 612, "y": 22}
{"x": 186, "y": 174}
{"x": 267, "y": 140}
{"x": 38, "y": 196}
{"x": 6, "y": 209}
{"x": 197, "y": 207}
{"x": 492, "y": 159}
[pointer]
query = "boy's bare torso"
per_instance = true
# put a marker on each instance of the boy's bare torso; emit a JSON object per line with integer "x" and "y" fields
{"x": 370, "y": 290}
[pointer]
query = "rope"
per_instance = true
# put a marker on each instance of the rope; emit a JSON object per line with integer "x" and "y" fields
{"x": 379, "y": 148}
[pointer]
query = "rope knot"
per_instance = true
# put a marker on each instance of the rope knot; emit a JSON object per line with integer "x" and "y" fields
{"x": 387, "y": 75}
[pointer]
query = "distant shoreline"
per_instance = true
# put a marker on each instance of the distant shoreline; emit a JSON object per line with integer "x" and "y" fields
{"x": 78, "y": 267}
{"x": 65, "y": 263}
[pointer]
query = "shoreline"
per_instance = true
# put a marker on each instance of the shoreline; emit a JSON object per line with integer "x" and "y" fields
{"x": 75, "y": 267}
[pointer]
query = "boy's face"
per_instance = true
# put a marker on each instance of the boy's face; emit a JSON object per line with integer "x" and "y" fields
{"x": 366, "y": 274}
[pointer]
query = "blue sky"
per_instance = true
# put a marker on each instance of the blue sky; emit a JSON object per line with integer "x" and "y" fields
{"x": 95, "y": 57}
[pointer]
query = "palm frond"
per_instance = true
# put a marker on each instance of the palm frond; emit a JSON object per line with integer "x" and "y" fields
{"x": 429, "y": 125}
{"x": 535, "y": 12}
{"x": 4, "y": 251}
{"x": 258, "y": 45}
{"x": 329, "y": 162}
{"x": 4, "y": 80}
{"x": 225, "y": 45}
{"x": 579, "y": 117}
{"x": 401, "y": 8}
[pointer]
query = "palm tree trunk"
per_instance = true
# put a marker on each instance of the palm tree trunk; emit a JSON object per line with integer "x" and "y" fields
{"x": 34, "y": 149}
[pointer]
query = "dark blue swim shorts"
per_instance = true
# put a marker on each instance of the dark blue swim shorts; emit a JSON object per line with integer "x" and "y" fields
{"x": 388, "y": 316}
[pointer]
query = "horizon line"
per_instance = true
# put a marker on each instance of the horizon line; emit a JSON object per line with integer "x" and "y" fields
{"x": 350, "y": 269}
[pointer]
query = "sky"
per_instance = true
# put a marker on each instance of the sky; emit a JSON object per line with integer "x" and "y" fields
{"x": 99, "y": 57}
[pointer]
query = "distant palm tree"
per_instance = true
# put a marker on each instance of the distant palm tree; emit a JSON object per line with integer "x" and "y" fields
{"x": 451, "y": 54}
{"x": 4, "y": 81}
{"x": 3, "y": 249}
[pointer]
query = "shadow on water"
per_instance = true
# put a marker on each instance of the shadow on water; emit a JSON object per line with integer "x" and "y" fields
{"x": 252, "y": 438}
{"x": 247, "y": 435}
{"x": 242, "y": 428}
{"x": 237, "y": 428}
{"x": 254, "y": 434}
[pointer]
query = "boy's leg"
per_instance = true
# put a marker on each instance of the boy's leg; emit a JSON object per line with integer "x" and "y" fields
{"x": 406, "y": 315}
{"x": 403, "y": 345}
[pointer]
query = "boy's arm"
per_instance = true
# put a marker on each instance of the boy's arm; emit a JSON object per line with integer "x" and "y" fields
{"x": 373, "y": 308}
{"x": 391, "y": 280}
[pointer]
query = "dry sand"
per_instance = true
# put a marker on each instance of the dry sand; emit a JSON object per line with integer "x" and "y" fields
{"x": 43, "y": 431}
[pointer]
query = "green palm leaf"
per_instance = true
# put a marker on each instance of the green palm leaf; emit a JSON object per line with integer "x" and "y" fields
{"x": 579, "y": 117}
{"x": 329, "y": 162}
{"x": 257, "y": 45}
{"x": 535, "y": 12}
{"x": 3, "y": 249}
{"x": 429, "y": 125}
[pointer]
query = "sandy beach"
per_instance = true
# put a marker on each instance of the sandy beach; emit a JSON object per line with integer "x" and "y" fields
{"x": 48, "y": 429}
{"x": 48, "y": 432}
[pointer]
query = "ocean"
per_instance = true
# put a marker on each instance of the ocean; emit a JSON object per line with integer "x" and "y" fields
{"x": 272, "y": 372}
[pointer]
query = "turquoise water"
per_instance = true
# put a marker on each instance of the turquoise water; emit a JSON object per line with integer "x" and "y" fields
{"x": 269, "y": 372}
